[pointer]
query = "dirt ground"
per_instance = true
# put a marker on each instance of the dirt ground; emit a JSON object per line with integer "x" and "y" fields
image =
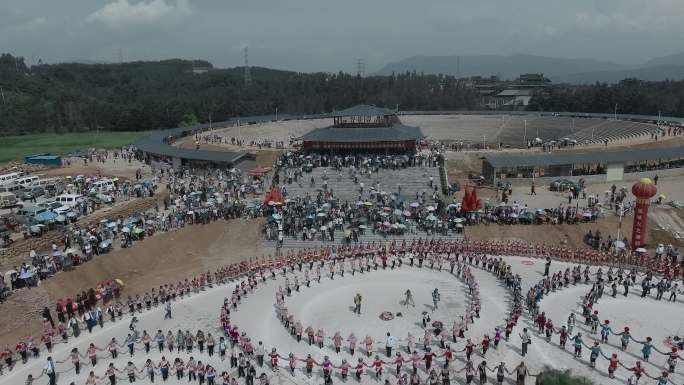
{"x": 171, "y": 256}
{"x": 550, "y": 234}
{"x": 159, "y": 259}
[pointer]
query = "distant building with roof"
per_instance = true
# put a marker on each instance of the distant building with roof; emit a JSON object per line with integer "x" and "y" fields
{"x": 44, "y": 159}
{"x": 497, "y": 94}
{"x": 536, "y": 80}
{"x": 600, "y": 166}
{"x": 363, "y": 128}
{"x": 513, "y": 99}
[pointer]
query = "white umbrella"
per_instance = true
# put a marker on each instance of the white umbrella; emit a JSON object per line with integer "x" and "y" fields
{"x": 126, "y": 230}
{"x": 430, "y": 208}
{"x": 640, "y": 250}
{"x": 414, "y": 204}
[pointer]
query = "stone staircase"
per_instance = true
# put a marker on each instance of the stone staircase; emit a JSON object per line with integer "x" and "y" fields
{"x": 613, "y": 131}
{"x": 413, "y": 180}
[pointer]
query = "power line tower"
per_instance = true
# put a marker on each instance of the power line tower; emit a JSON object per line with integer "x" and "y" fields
{"x": 458, "y": 67}
{"x": 248, "y": 72}
{"x": 360, "y": 68}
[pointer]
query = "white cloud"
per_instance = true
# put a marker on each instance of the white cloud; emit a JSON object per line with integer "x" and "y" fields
{"x": 632, "y": 17}
{"x": 122, "y": 14}
{"x": 31, "y": 25}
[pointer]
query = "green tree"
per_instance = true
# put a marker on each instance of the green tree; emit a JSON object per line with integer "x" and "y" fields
{"x": 188, "y": 120}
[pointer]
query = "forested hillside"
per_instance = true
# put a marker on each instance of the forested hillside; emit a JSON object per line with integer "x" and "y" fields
{"x": 141, "y": 96}
{"x": 631, "y": 96}
{"x": 153, "y": 95}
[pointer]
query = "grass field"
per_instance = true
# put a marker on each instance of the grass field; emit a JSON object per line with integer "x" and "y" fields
{"x": 17, "y": 147}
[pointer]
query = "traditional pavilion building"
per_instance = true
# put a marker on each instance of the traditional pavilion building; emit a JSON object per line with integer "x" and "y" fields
{"x": 363, "y": 128}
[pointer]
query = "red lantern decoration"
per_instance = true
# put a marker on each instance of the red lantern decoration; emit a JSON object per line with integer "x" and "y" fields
{"x": 643, "y": 190}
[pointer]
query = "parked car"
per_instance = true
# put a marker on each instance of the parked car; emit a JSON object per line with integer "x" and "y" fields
{"x": 15, "y": 189}
{"x": 7, "y": 199}
{"x": 32, "y": 193}
{"x": 38, "y": 230}
{"x": 562, "y": 185}
{"x": 51, "y": 205}
{"x": 35, "y": 215}
{"x": 104, "y": 198}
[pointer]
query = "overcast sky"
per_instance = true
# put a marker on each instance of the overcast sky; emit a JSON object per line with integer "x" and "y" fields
{"x": 325, "y": 35}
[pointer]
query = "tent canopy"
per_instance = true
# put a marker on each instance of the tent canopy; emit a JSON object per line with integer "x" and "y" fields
{"x": 259, "y": 171}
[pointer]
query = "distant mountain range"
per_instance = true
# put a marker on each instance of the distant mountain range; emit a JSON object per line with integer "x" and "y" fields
{"x": 559, "y": 70}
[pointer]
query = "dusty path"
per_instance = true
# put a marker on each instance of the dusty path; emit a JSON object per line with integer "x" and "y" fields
{"x": 159, "y": 259}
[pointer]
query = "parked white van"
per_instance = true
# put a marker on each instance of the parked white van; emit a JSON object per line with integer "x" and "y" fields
{"x": 9, "y": 178}
{"x": 27, "y": 181}
{"x": 103, "y": 185}
{"x": 47, "y": 181}
{"x": 13, "y": 188}
{"x": 69, "y": 200}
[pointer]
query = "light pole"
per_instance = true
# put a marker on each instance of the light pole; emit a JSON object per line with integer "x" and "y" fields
{"x": 658, "y": 118}
{"x": 621, "y": 213}
{"x": 276, "y": 114}
{"x": 525, "y": 133}
{"x": 615, "y": 112}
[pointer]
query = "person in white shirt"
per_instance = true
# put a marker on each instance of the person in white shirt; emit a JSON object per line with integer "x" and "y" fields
{"x": 50, "y": 371}
{"x": 390, "y": 343}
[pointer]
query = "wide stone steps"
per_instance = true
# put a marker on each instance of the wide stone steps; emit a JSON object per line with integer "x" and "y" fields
{"x": 413, "y": 180}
